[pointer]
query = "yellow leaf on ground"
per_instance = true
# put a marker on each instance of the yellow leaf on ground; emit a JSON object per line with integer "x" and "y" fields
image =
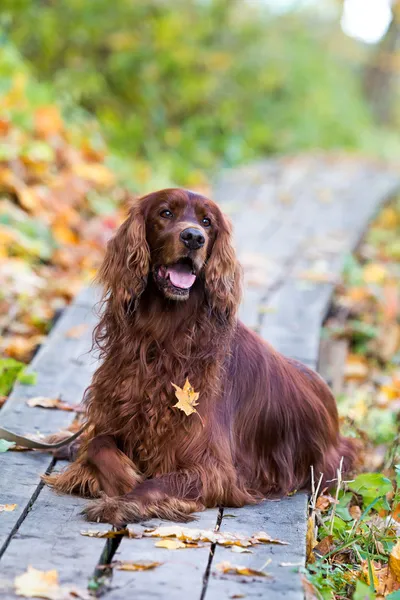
{"x": 227, "y": 568}
{"x": 170, "y": 544}
{"x": 140, "y": 565}
{"x": 394, "y": 561}
{"x": 44, "y": 584}
{"x": 311, "y": 542}
{"x": 187, "y": 399}
{"x": 106, "y": 534}
{"x": 8, "y": 507}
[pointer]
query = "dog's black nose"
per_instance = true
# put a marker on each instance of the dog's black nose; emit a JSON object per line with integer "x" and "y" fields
{"x": 192, "y": 238}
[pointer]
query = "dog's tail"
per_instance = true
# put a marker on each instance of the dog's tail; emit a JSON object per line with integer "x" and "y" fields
{"x": 120, "y": 510}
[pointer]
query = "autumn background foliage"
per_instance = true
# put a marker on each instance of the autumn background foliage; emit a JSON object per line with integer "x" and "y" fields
{"x": 103, "y": 100}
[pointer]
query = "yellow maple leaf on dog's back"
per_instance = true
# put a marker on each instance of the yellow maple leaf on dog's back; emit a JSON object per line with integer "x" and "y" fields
{"x": 187, "y": 399}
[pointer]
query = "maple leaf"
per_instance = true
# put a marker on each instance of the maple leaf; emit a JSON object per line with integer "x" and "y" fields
{"x": 187, "y": 399}
{"x": 170, "y": 544}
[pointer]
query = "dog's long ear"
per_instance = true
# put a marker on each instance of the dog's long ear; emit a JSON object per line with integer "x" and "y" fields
{"x": 223, "y": 273}
{"x": 126, "y": 264}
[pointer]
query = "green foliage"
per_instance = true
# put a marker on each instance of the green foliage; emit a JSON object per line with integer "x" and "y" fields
{"x": 189, "y": 85}
{"x": 12, "y": 370}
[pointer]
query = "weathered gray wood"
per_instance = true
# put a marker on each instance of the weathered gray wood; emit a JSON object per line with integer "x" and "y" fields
{"x": 181, "y": 574}
{"x": 49, "y": 538}
{"x": 64, "y": 369}
{"x": 285, "y": 520}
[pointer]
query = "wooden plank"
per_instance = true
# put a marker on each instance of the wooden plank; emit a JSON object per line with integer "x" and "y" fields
{"x": 49, "y": 538}
{"x": 182, "y": 571}
{"x": 64, "y": 369}
{"x": 285, "y": 520}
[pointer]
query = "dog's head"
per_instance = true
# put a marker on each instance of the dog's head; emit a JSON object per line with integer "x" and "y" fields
{"x": 181, "y": 241}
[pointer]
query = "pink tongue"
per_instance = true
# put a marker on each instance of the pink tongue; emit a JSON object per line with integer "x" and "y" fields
{"x": 181, "y": 276}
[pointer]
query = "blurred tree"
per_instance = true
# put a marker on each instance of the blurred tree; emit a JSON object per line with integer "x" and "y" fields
{"x": 192, "y": 85}
{"x": 381, "y": 74}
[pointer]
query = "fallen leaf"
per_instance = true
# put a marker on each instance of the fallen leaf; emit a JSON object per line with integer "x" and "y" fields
{"x": 170, "y": 544}
{"x": 187, "y": 399}
{"x": 355, "y": 512}
{"x": 57, "y": 403}
{"x": 107, "y": 534}
{"x": 324, "y": 502}
{"x": 265, "y": 538}
{"x": 227, "y": 568}
{"x": 44, "y": 584}
{"x": 8, "y": 507}
{"x": 187, "y": 535}
{"x": 127, "y": 565}
{"x": 77, "y": 331}
{"x": 324, "y": 546}
{"x": 394, "y": 561}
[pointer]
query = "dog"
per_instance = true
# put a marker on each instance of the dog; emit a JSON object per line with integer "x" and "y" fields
{"x": 172, "y": 288}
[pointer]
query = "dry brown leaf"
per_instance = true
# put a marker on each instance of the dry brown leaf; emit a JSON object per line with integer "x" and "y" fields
{"x": 140, "y": 565}
{"x": 54, "y": 403}
{"x": 324, "y": 546}
{"x": 170, "y": 544}
{"x": 187, "y": 535}
{"x": 355, "y": 512}
{"x": 8, "y": 507}
{"x": 187, "y": 399}
{"x": 76, "y": 331}
{"x": 44, "y": 584}
{"x": 324, "y": 502}
{"x": 227, "y": 568}
{"x": 384, "y": 579}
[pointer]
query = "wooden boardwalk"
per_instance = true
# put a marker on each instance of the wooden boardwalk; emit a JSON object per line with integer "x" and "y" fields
{"x": 295, "y": 219}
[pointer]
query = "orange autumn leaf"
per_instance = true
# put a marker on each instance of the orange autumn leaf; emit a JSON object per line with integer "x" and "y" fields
{"x": 54, "y": 403}
{"x": 76, "y": 331}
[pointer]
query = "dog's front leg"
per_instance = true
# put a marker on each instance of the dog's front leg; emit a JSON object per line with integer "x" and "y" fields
{"x": 115, "y": 472}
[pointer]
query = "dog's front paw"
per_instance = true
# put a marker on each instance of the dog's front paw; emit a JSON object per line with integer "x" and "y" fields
{"x": 114, "y": 510}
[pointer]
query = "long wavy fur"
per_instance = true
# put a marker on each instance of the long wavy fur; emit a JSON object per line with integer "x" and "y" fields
{"x": 266, "y": 418}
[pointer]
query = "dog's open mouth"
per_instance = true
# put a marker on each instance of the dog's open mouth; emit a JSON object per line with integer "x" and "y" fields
{"x": 177, "y": 278}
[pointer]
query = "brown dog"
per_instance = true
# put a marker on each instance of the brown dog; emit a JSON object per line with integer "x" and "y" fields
{"x": 172, "y": 290}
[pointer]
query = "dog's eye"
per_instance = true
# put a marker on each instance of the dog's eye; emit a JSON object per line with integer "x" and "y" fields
{"x": 206, "y": 222}
{"x": 166, "y": 214}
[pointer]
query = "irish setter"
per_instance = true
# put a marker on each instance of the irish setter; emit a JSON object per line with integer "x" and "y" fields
{"x": 172, "y": 289}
